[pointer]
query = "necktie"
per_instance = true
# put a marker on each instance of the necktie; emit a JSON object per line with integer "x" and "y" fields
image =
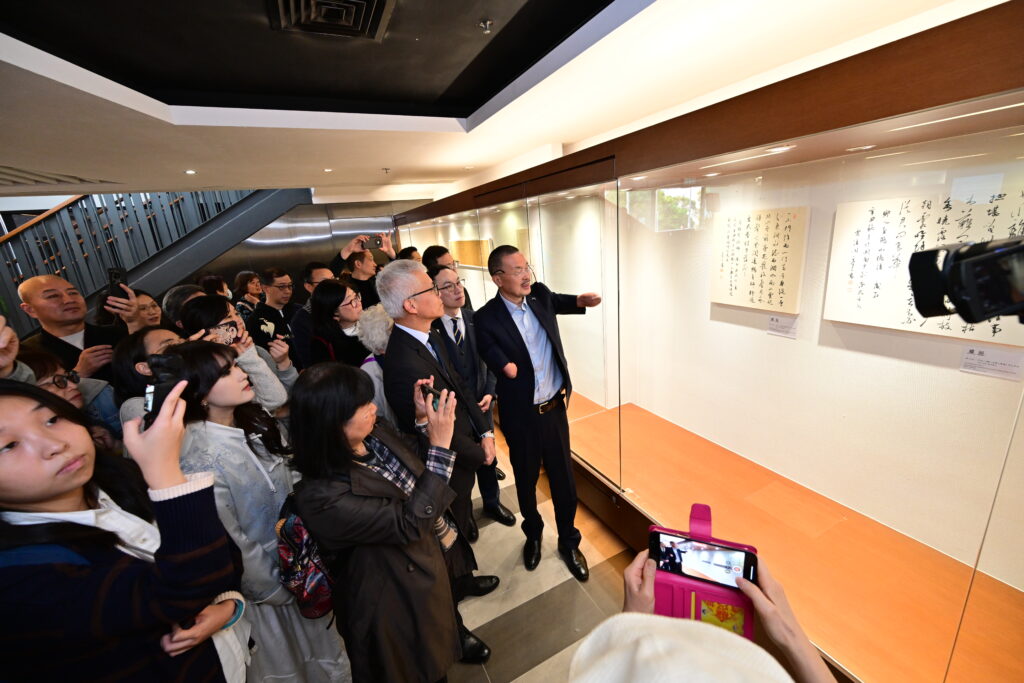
{"x": 456, "y": 333}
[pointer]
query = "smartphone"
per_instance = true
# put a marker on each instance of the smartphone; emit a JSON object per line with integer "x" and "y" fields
{"x": 115, "y": 277}
{"x": 429, "y": 391}
{"x": 167, "y": 372}
{"x": 375, "y": 242}
{"x": 225, "y": 333}
{"x": 701, "y": 560}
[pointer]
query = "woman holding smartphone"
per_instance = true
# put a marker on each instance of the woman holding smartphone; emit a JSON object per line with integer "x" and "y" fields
{"x": 235, "y": 438}
{"x": 375, "y": 505}
{"x": 99, "y": 578}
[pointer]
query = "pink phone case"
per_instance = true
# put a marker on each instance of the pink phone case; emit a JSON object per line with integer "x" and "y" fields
{"x": 686, "y": 598}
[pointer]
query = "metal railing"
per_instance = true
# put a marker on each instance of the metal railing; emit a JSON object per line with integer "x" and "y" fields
{"x": 83, "y": 237}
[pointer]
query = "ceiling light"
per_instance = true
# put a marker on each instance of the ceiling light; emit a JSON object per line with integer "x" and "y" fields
{"x": 328, "y": 170}
{"x": 889, "y": 154}
{"x": 935, "y": 161}
{"x": 486, "y": 25}
{"x": 639, "y": 177}
{"x": 772, "y": 152}
{"x": 961, "y": 116}
{"x": 190, "y": 172}
{"x": 862, "y": 148}
{"x": 711, "y": 175}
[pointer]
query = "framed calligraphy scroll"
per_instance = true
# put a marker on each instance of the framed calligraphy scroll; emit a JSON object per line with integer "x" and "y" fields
{"x": 868, "y": 279}
{"x": 758, "y": 258}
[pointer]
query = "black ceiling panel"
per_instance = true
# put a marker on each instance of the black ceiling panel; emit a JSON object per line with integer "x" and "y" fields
{"x": 414, "y": 57}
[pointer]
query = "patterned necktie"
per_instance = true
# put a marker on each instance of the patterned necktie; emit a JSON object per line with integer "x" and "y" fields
{"x": 456, "y": 333}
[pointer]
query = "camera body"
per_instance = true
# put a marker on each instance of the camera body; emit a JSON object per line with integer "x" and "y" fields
{"x": 978, "y": 281}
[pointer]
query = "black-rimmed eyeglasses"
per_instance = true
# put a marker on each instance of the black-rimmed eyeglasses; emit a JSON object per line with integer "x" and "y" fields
{"x": 61, "y": 381}
{"x": 450, "y": 287}
{"x": 432, "y": 288}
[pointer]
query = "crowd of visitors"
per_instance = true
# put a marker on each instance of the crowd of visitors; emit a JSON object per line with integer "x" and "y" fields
{"x": 140, "y": 539}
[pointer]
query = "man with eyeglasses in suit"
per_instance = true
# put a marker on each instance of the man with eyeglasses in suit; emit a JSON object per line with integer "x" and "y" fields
{"x": 520, "y": 342}
{"x": 456, "y": 329}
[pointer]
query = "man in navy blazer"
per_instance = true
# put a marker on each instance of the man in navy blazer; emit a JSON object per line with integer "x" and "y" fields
{"x": 519, "y": 340}
{"x": 457, "y": 330}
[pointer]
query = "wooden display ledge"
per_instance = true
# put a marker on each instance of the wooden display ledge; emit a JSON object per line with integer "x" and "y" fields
{"x": 879, "y": 604}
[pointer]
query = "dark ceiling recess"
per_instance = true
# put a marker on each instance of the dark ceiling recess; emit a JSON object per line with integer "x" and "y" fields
{"x": 351, "y": 18}
{"x": 408, "y": 57}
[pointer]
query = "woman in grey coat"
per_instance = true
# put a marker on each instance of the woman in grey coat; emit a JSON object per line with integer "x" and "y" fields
{"x": 232, "y": 436}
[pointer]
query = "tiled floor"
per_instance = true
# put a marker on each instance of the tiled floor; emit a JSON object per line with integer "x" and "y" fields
{"x": 535, "y": 620}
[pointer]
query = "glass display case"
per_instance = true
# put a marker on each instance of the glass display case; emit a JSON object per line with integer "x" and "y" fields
{"x": 757, "y": 350}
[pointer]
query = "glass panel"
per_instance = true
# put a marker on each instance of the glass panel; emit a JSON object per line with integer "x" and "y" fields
{"x": 577, "y": 254}
{"x": 990, "y": 642}
{"x": 857, "y": 457}
{"x": 504, "y": 224}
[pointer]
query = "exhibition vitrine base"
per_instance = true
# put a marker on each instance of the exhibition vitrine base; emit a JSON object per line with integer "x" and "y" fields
{"x": 757, "y": 350}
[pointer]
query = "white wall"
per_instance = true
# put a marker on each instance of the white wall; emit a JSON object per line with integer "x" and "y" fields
{"x": 878, "y": 420}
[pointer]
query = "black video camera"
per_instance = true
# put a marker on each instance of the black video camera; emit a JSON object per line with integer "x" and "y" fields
{"x": 976, "y": 280}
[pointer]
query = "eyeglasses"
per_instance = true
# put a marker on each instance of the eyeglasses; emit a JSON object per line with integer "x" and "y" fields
{"x": 61, "y": 381}
{"x": 288, "y": 286}
{"x": 517, "y": 271}
{"x": 450, "y": 287}
{"x": 355, "y": 300}
{"x": 431, "y": 289}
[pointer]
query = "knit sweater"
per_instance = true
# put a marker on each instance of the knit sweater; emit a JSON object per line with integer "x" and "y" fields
{"x": 86, "y": 613}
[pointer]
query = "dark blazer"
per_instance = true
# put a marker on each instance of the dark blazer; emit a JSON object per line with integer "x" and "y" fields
{"x": 68, "y": 353}
{"x": 500, "y": 343}
{"x": 467, "y": 360}
{"x": 407, "y": 360}
{"x": 391, "y": 593}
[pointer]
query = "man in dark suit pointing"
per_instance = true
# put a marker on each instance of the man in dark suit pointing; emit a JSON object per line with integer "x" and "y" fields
{"x": 519, "y": 339}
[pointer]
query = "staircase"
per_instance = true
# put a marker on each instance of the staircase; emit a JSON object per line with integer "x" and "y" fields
{"x": 158, "y": 237}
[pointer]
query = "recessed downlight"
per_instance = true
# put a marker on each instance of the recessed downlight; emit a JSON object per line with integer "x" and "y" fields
{"x": 190, "y": 171}
{"x": 328, "y": 170}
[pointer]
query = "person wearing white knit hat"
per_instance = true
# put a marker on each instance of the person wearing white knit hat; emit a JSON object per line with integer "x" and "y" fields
{"x": 641, "y": 646}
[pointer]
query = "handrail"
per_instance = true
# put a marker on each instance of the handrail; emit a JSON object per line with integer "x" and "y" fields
{"x": 22, "y": 228}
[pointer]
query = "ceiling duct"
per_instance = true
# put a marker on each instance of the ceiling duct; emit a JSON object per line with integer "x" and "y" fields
{"x": 351, "y": 18}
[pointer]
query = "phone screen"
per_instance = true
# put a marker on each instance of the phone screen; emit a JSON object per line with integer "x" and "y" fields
{"x": 429, "y": 391}
{"x": 702, "y": 560}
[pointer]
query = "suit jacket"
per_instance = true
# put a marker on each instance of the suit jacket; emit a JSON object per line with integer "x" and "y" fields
{"x": 501, "y": 343}
{"x": 407, "y": 360}
{"x": 391, "y": 595}
{"x": 466, "y": 360}
{"x": 68, "y": 353}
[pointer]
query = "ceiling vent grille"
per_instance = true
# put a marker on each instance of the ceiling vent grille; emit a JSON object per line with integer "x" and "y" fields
{"x": 350, "y": 18}
{"x": 15, "y": 177}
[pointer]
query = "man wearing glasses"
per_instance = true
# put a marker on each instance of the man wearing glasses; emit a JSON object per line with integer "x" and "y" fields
{"x": 415, "y": 351}
{"x": 457, "y": 331}
{"x": 519, "y": 340}
{"x": 269, "y": 319}
{"x": 434, "y": 256}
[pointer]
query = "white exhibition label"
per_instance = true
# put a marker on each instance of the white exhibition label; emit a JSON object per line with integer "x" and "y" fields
{"x": 782, "y": 325}
{"x": 992, "y": 362}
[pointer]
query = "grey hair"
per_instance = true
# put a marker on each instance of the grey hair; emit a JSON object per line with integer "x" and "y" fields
{"x": 374, "y": 329}
{"x": 395, "y": 285}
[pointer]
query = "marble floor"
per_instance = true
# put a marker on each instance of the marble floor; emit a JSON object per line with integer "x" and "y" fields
{"x": 534, "y": 621}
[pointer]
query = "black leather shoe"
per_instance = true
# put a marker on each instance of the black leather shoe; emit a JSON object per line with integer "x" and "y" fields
{"x": 473, "y": 532}
{"x": 576, "y": 563}
{"x": 474, "y": 650}
{"x": 499, "y": 474}
{"x": 531, "y": 554}
{"x": 501, "y": 514}
{"x": 482, "y": 585}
